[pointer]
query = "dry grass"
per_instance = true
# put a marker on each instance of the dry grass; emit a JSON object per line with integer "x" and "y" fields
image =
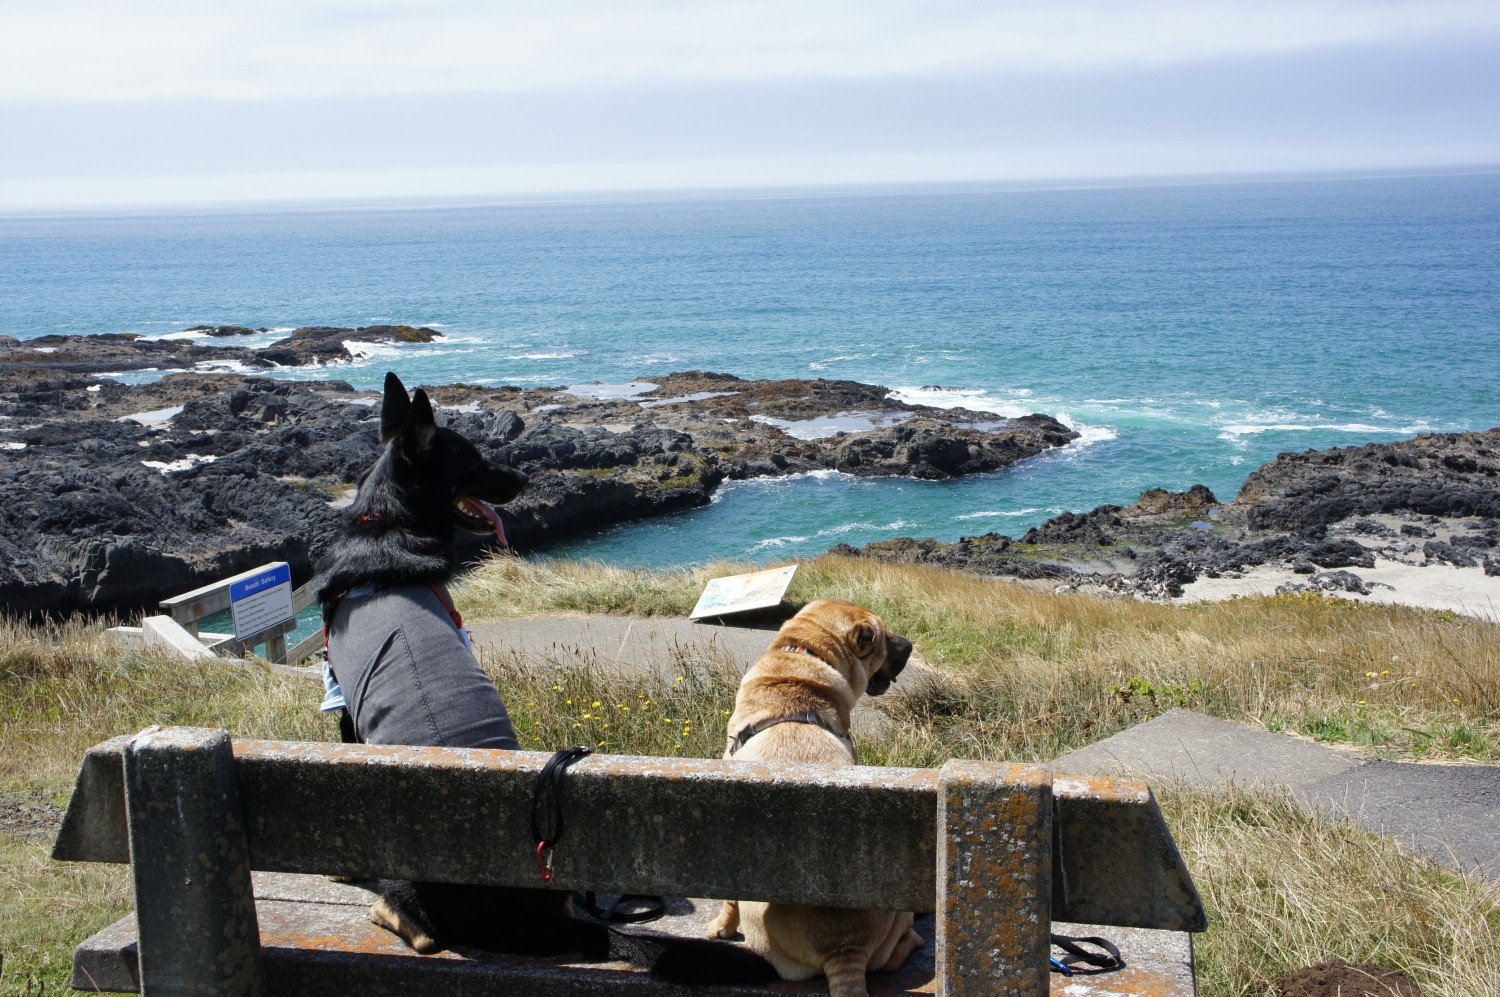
{"x": 67, "y": 687}
{"x": 1023, "y": 675}
{"x": 1285, "y": 889}
{"x": 1055, "y": 672}
{"x": 565, "y": 698}
{"x": 64, "y": 688}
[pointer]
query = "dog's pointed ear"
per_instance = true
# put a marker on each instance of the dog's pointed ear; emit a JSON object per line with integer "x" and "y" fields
{"x": 395, "y": 408}
{"x": 864, "y": 639}
{"x": 421, "y": 425}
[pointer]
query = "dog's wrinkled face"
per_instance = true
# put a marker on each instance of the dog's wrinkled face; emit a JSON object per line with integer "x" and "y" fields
{"x": 853, "y": 640}
{"x": 462, "y": 484}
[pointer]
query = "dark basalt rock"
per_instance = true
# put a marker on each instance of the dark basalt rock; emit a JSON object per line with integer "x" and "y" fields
{"x": 1304, "y": 512}
{"x": 124, "y": 351}
{"x": 123, "y": 495}
{"x": 1449, "y": 475}
{"x": 1436, "y": 550}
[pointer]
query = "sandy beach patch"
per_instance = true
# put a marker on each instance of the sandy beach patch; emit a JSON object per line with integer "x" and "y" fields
{"x": 1428, "y": 586}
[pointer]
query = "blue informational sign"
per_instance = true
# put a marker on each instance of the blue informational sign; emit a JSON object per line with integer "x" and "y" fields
{"x": 260, "y": 599}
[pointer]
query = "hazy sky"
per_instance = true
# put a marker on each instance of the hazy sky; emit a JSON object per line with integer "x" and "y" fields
{"x": 159, "y": 101}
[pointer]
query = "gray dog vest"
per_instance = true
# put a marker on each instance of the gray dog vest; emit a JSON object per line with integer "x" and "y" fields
{"x": 408, "y": 675}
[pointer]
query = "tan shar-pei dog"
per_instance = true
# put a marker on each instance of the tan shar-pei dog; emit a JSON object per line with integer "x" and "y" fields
{"x": 794, "y": 706}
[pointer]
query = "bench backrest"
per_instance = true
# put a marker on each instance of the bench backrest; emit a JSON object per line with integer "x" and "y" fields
{"x": 1012, "y": 838}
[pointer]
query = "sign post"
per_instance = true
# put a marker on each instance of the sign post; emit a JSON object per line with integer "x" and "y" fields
{"x": 261, "y": 599}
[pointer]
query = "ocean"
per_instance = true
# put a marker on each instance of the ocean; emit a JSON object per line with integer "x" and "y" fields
{"x": 1189, "y": 330}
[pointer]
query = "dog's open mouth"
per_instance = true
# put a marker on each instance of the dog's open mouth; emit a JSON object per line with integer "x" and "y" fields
{"x": 477, "y": 517}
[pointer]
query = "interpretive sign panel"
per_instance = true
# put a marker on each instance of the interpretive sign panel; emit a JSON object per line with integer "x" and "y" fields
{"x": 260, "y": 599}
{"x": 742, "y": 593}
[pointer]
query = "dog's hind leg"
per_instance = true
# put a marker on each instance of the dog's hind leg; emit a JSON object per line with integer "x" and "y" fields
{"x": 845, "y": 969}
{"x": 898, "y": 942}
{"x": 727, "y": 924}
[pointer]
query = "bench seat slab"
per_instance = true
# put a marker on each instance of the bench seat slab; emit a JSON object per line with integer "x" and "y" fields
{"x": 316, "y": 941}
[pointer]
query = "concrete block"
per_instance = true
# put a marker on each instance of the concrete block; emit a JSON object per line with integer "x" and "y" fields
{"x": 195, "y": 909}
{"x": 994, "y": 881}
{"x": 163, "y": 631}
{"x": 1115, "y": 861}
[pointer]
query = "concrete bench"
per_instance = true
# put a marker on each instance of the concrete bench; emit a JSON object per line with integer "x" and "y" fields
{"x": 996, "y": 853}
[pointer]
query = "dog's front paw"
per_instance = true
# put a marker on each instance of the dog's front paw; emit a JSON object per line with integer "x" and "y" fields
{"x": 727, "y": 924}
{"x": 412, "y": 933}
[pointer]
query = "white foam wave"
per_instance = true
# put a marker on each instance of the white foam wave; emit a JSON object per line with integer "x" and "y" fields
{"x": 368, "y": 351}
{"x": 566, "y": 353}
{"x": 227, "y": 367}
{"x": 829, "y": 533}
{"x": 977, "y": 399}
{"x": 1005, "y": 514}
{"x": 770, "y": 542}
{"x": 1087, "y": 435}
{"x": 514, "y": 379}
{"x": 1232, "y": 433}
{"x": 827, "y": 362}
{"x": 729, "y": 487}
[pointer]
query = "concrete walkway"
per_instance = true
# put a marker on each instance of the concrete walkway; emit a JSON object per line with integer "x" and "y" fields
{"x": 1450, "y": 813}
{"x": 617, "y": 642}
{"x": 650, "y": 646}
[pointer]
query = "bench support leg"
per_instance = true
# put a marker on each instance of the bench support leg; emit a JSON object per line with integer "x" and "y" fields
{"x": 195, "y": 910}
{"x": 994, "y": 882}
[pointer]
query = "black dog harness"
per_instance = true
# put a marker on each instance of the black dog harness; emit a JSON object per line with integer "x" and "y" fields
{"x": 805, "y": 717}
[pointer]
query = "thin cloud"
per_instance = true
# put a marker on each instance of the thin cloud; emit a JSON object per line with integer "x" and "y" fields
{"x": 105, "y": 50}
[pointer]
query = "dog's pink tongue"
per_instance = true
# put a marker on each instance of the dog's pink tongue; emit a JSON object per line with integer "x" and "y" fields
{"x": 477, "y": 508}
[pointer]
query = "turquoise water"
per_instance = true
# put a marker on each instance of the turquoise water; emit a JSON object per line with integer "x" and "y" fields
{"x": 1190, "y": 331}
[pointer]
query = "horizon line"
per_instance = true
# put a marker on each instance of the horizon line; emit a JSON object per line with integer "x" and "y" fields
{"x": 648, "y": 193}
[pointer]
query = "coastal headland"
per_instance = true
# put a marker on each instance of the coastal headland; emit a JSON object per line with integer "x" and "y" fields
{"x": 121, "y": 495}
{"x": 1415, "y": 522}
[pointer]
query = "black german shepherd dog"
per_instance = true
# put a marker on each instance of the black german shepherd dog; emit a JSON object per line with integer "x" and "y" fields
{"x": 401, "y": 667}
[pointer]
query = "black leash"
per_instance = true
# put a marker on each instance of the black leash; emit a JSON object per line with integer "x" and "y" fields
{"x": 628, "y": 908}
{"x": 547, "y": 831}
{"x": 546, "y": 799}
{"x": 1080, "y": 961}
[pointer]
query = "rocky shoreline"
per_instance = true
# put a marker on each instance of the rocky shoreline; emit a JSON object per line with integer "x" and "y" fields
{"x": 1332, "y": 521}
{"x": 121, "y": 495}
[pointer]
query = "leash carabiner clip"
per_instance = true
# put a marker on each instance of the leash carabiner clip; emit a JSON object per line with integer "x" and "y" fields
{"x": 544, "y": 860}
